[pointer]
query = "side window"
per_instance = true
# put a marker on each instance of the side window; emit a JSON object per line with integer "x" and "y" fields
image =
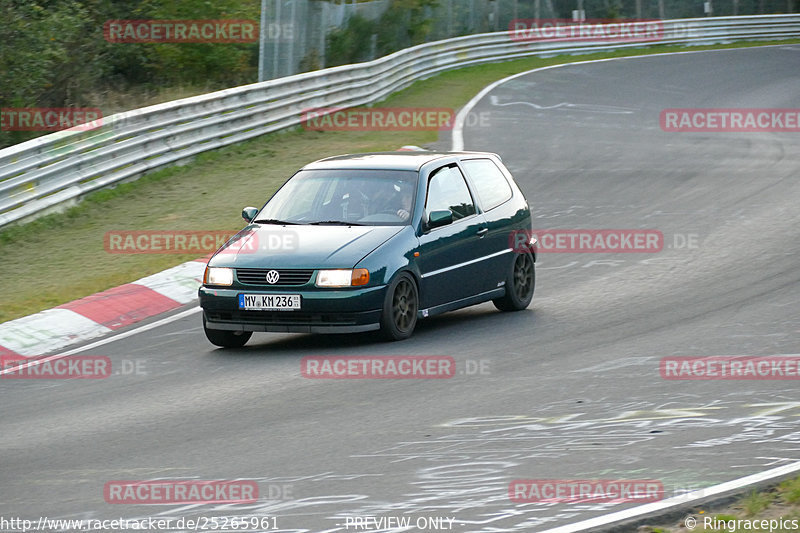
{"x": 448, "y": 190}
{"x": 490, "y": 183}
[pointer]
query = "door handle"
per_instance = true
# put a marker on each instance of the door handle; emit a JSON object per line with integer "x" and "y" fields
{"x": 482, "y": 232}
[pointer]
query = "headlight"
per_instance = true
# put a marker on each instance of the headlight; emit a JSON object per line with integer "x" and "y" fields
{"x": 218, "y": 276}
{"x": 343, "y": 278}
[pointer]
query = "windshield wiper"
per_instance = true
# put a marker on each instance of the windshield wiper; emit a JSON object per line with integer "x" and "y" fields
{"x": 274, "y": 221}
{"x": 334, "y": 223}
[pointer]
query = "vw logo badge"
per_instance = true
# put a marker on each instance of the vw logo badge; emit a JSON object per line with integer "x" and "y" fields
{"x": 272, "y": 277}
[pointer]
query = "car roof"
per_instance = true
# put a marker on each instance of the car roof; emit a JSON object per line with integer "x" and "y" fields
{"x": 410, "y": 160}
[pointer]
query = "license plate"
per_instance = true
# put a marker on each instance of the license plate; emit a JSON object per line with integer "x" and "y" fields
{"x": 260, "y": 302}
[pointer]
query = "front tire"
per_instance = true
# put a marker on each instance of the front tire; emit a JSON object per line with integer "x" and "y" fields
{"x": 519, "y": 284}
{"x": 226, "y": 339}
{"x": 399, "y": 317}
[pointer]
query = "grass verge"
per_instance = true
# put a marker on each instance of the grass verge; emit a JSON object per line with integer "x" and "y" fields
{"x": 61, "y": 257}
{"x": 775, "y": 510}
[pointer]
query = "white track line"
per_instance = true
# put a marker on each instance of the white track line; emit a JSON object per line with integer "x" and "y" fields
{"x": 688, "y": 499}
{"x": 458, "y": 145}
{"x": 677, "y": 501}
{"x": 458, "y": 128}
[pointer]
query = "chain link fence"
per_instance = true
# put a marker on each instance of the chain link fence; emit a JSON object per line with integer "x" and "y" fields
{"x": 298, "y": 32}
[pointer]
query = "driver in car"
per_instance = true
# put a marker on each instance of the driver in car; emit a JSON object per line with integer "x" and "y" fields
{"x": 396, "y": 200}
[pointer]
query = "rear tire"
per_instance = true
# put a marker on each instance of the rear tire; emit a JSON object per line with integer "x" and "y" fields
{"x": 400, "y": 305}
{"x": 520, "y": 284}
{"x": 225, "y": 338}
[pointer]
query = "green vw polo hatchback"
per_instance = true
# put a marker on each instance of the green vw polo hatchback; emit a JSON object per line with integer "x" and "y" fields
{"x": 373, "y": 241}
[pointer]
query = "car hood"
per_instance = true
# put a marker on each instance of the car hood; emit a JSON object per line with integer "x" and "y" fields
{"x": 274, "y": 246}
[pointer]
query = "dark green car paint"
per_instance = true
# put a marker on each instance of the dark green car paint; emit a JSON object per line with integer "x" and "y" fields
{"x": 461, "y": 263}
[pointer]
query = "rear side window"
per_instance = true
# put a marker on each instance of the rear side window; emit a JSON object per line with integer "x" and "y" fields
{"x": 490, "y": 183}
{"x": 448, "y": 190}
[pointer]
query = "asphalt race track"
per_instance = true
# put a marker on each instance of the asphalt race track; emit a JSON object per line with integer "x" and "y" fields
{"x": 569, "y": 389}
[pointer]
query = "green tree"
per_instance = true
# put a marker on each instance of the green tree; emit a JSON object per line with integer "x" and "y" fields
{"x": 405, "y": 23}
{"x": 350, "y": 44}
{"x": 47, "y": 57}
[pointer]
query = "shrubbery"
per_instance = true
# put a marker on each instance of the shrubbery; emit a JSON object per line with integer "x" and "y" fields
{"x": 405, "y": 23}
{"x": 53, "y": 52}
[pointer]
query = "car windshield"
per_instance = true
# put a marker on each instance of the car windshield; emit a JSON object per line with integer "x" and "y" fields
{"x": 351, "y": 197}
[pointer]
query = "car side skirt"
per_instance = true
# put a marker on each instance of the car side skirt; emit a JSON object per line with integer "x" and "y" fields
{"x": 463, "y": 302}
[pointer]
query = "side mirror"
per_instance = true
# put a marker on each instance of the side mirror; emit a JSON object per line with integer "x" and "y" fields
{"x": 440, "y": 218}
{"x": 249, "y": 213}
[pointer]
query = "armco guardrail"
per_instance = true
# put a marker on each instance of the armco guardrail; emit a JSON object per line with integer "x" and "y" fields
{"x": 55, "y": 170}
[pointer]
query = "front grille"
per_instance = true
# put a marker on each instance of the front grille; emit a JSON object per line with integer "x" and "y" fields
{"x": 258, "y": 276}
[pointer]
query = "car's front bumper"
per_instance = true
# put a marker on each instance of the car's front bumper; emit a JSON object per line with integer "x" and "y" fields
{"x": 321, "y": 311}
